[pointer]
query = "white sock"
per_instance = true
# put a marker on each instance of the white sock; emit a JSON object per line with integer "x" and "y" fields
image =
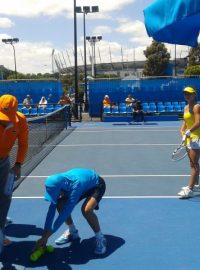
{"x": 72, "y": 228}
{"x": 99, "y": 235}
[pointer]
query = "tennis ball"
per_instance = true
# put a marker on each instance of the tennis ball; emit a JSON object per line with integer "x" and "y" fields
{"x": 50, "y": 248}
{"x": 34, "y": 257}
{"x": 37, "y": 254}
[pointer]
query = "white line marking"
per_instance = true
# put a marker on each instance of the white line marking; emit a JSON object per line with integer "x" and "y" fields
{"x": 122, "y": 175}
{"x": 140, "y": 197}
{"x": 111, "y": 197}
{"x": 106, "y": 144}
{"x": 124, "y": 130}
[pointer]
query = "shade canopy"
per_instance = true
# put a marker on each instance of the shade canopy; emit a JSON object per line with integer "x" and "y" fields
{"x": 173, "y": 21}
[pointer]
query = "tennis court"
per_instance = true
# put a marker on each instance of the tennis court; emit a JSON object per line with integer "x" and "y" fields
{"x": 146, "y": 225}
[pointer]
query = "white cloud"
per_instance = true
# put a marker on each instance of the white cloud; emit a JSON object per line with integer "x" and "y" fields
{"x": 135, "y": 30}
{"x": 6, "y": 23}
{"x": 32, "y": 8}
{"x": 30, "y": 57}
{"x": 102, "y": 29}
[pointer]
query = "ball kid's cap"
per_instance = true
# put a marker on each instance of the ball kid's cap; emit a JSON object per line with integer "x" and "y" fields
{"x": 53, "y": 188}
{"x": 190, "y": 90}
{"x": 8, "y": 108}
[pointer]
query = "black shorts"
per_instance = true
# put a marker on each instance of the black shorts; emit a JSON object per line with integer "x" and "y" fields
{"x": 96, "y": 192}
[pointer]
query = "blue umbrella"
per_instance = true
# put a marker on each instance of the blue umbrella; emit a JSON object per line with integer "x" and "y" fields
{"x": 174, "y": 21}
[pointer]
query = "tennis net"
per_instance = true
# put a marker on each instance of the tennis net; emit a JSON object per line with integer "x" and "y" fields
{"x": 45, "y": 132}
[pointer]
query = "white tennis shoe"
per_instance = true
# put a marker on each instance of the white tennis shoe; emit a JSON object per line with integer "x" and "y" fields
{"x": 186, "y": 192}
{"x": 196, "y": 188}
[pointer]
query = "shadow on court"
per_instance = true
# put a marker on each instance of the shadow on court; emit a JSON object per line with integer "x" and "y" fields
{"x": 22, "y": 230}
{"x": 135, "y": 124}
{"x": 77, "y": 253}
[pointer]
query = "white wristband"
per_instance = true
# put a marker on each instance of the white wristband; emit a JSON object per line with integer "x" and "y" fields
{"x": 188, "y": 133}
{"x": 183, "y": 137}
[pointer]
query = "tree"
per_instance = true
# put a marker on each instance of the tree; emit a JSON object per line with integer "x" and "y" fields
{"x": 193, "y": 67}
{"x": 194, "y": 56}
{"x": 157, "y": 59}
{"x": 192, "y": 70}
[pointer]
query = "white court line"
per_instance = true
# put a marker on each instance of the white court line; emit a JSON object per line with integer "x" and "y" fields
{"x": 111, "y": 197}
{"x": 124, "y": 130}
{"x": 106, "y": 144}
{"x": 122, "y": 175}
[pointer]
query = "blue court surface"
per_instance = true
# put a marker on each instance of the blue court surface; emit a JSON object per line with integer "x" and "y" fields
{"x": 147, "y": 226}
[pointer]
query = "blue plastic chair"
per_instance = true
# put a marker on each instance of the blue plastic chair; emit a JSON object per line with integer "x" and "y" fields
{"x": 152, "y": 108}
{"x": 122, "y": 105}
{"x": 41, "y": 111}
{"x": 178, "y": 108}
{"x": 175, "y": 103}
{"x": 25, "y": 111}
{"x": 169, "y": 108}
{"x": 33, "y": 112}
{"x": 152, "y": 104}
{"x": 146, "y": 108}
{"x": 57, "y": 106}
{"x": 182, "y": 103}
{"x": 106, "y": 110}
{"x": 122, "y": 110}
{"x": 129, "y": 110}
{"x": 49, "y": 110}
{"x": 167, "y": 103}
{"x": 115, "y": 110}
{"x": 161, "y": 108}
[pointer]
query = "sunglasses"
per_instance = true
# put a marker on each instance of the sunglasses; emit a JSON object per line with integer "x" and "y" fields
{"x": 188, "y": 94}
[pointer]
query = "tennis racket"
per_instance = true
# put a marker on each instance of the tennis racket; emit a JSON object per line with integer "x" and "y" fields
{"x": 180, "y": 151}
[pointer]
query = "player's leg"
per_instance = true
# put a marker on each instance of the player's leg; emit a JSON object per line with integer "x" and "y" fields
{"x": 194, "y": 155}
{"x": 88, "y": 212}
{"x": 90, "y": 204}
{"x": 5, "y": 200}
{"x": 187, "y": 192}
{"x": 71, "y": 233}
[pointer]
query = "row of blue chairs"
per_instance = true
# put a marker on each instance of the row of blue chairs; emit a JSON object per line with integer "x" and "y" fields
{"x": 146, "y": 108}
{"x": 166, "y": 103}
{"x": 38, "y": 111}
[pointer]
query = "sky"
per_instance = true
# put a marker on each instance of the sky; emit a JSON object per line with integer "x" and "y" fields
{"x": 47, "y": 26}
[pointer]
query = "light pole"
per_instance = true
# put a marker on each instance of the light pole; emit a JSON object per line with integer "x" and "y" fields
{"x": 12, "y": 41}
{"x": 52, "y": 60}
{"x": 75, "y": 64}
{"x": 85, "y": 10}
{"x": 93, "y": 40}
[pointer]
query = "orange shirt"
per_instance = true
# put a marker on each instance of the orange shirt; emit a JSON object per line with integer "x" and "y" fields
{"x": 64, "y": 100}
{"x": 106, "y": 102}
{"x": 8, "y": 136}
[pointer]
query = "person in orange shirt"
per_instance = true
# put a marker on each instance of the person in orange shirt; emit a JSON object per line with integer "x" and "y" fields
{"x": 106, "y": 101}
{"x": 13, "y": 126}
{"x": 65, "y": 99}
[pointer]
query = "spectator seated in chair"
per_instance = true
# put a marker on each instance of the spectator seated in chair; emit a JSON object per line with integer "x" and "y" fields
{"x": 42, "y": 103}
{"x": 106, "y": 101}
{"x": 129, "y": 101}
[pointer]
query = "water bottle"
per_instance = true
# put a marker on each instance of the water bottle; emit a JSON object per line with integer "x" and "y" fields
{"x": 9, "y": 184}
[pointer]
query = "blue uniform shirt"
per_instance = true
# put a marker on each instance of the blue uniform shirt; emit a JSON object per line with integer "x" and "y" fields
{"x": 75, "y": 183}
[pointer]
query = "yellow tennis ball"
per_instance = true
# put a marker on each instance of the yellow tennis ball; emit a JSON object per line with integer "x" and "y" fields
{"x": 34, "y": 257}
{"x": 50, "y": 248}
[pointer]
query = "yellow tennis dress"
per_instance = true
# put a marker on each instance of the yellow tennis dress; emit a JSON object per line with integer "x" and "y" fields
{"x": 194, "y": 140}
